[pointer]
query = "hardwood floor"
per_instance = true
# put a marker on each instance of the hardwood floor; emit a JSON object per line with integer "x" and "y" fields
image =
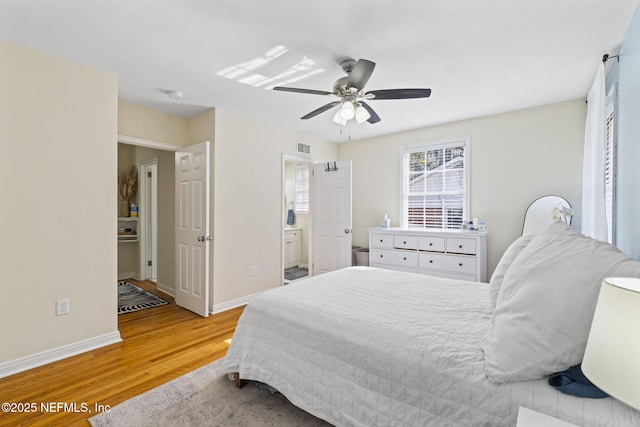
{"x": 159, "y": 344}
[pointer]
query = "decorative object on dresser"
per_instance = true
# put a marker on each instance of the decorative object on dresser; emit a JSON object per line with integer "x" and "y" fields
{"x": 455, "y": 254}
{"x": 545, "y": 210}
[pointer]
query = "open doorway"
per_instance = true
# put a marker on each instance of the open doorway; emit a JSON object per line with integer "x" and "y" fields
{"x": 156, "y": 221}
{"x": 296, "y": 218}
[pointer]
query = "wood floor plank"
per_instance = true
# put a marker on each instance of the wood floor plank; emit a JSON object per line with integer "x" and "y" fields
{"x": 159, "y": 345}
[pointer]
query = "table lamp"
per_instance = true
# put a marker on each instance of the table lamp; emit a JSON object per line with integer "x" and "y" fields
{"x": 612, "y": 356}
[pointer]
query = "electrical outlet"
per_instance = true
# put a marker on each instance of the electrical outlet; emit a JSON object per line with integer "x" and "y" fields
{"x": 62, "y": 307}
{"x": 252, "y": 271}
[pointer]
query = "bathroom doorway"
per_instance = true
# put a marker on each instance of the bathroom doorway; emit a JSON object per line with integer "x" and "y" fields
{"x": 296, "y": 218}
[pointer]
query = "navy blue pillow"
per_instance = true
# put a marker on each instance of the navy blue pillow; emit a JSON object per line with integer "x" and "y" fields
{"x": 573, "y": 382}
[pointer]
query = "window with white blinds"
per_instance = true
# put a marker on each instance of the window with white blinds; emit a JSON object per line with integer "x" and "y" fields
{"x": 609, "y": 172}
{"x": 435, "y": 189}
{"x": 302, "y": 189}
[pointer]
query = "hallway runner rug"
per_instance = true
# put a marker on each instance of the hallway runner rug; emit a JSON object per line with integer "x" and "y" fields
{"x": 133, "y": 298}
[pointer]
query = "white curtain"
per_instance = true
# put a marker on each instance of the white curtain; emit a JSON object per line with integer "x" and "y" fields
{"x": 594, "y": 220}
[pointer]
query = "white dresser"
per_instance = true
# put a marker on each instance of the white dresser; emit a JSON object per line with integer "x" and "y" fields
{"x": 455, "y": 254}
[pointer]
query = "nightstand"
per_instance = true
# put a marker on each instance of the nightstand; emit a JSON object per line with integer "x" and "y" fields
{"x": 529, "y": 418}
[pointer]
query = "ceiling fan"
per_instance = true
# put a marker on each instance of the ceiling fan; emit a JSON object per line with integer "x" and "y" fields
{"x": 351, "y": 94}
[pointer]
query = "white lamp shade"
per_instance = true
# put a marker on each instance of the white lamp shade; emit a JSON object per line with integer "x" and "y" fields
{"x": 347, "y": 111}
{"x": 362, "y": 114}
{"x": 337, "y": 118}
{"x": 612, "y": 356}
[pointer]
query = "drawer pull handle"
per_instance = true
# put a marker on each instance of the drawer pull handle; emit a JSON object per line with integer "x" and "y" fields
{"x": 460, "y": 246}
{"x": 380, "y": 240}
{"x": 380, "y": 256}
{"x": 430, "y": 261}
{"x": 460, "y": 264}
{"x": 404, "y": 242}
{"x": 404, "y": 258}
{"x": 430, "y": 244}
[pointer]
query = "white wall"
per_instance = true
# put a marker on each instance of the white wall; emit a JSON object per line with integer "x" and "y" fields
{"x": 515, "y": 158}
{"x": 58, "y": 198}
{"x": 628, "y": 141}
{"x": 248, "y": 209}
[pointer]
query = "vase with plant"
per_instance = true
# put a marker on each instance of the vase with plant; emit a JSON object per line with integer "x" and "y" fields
{"x": 562, "y": 213}
{"x": 127, "y": 189}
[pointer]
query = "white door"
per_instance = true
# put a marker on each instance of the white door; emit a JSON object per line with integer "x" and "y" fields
{"x": 192, "y": 228}
{"x": 331, "y": 216}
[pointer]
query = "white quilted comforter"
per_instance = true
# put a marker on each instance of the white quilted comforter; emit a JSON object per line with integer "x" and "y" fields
{"x": 371, "y": 347}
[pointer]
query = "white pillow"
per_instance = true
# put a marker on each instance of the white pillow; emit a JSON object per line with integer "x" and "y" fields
{"x": 545, "y": 305}
{"x": 503, "y": 265}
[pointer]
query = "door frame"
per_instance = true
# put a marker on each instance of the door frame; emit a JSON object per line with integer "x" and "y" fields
{"x": 148, "y": 205}
{"x": 294, "y": 159}
{"x": 141, "y": 142}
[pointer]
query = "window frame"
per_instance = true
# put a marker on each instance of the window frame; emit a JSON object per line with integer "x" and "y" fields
{"x": 434, "y": 145}
{"x": 296, "y": 204}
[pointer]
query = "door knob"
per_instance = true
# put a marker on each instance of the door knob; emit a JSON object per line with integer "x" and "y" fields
{"x": 347, "y": 231}
{"x": 200, "y": 238}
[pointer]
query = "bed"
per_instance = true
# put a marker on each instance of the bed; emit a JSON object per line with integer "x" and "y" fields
{"x": 372, "y": 347}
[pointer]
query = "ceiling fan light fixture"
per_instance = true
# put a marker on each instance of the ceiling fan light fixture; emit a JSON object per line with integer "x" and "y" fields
{"x": 362, "y": 114}
{"x": 337, "y": 118}
{"x": 347, "y": 111}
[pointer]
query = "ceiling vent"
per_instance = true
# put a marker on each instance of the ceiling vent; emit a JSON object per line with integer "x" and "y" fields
{"x": 304, "y": 148}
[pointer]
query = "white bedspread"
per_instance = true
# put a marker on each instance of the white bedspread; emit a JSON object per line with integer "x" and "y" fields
{"x": 371, "y": 347}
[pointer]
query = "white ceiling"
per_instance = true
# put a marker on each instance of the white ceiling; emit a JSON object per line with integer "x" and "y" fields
{"x": 478, "y": 57}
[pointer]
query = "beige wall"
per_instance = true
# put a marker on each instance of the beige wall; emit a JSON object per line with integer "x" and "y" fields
{"x": 57, "y": 191}
{"x": 515, "y": 158}
{"x": 142, "y": 122}
{"x": 248, "y": 209}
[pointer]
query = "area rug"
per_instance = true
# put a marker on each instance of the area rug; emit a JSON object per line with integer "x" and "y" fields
{"x": 206, "y": 397}
{"x": 133, "y": 298}
{"x": 295, "y": 273}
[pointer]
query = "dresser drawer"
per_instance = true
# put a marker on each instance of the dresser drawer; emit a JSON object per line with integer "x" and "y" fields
{"x": 431, "y": 244}
{"x": 452, "y": 263}
{"x": 291, "y": 235}
{"x": 461, "y": 246}
{"x": 379, "y": 240}
{"x": 395, "y": 258}
{"x": 405, "y": 242}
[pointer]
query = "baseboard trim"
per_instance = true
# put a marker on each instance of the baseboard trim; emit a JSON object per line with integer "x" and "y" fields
{"x": 124, "y": 276}
{"x": 38, "y": 359}
{"x": 219, "y": 308}
{"x": 166, "y": 289}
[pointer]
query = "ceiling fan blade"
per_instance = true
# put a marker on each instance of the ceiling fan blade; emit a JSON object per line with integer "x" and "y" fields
{"x": 399, "y": 93}
{"x": 309, "y": 91}
{"x": 359, "y": 75}
{"x": 321, "y": 110}
{"x": 374, "y": 117}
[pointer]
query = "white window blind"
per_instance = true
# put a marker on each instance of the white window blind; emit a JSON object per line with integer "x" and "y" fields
{"x": 435, "y": 188}
{"x": 302, "y": 189}
{"x": 609, "y": 171}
